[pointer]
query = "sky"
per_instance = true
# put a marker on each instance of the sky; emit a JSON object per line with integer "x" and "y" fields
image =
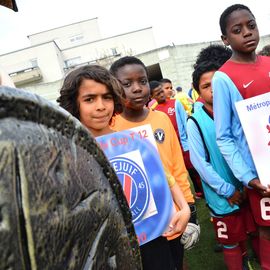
{"x": 173, "y": 21}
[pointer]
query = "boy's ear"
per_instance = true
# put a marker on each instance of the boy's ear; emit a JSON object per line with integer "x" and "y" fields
{"x": 224, "y": 39}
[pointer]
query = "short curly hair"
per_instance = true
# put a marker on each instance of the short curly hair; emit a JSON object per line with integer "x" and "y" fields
{"x": 153, "y": 85}
{"x": 215, "y": 53}
{"x": 126, "y": 60}
{"x": 201, "y": 68}
{"x": 70, "y": 89}
{"x": 265, "y": 51}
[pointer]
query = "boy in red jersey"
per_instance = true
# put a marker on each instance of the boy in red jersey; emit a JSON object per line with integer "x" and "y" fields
{"x": 169, "y": 107}
{"x": 176, "y": 112}
{"x": 243, "y": 76}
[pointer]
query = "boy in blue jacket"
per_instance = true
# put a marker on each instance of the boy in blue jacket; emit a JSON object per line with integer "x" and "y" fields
{"x": 223, "y": 192}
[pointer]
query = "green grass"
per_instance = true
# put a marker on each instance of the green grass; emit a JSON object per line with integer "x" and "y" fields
{"x": 203, "y": 256}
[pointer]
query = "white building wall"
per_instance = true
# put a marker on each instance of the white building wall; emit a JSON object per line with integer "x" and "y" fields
{"x": 46, "y": 55}
{"x": 88, "y": 30}
{"x": 48, "y": 62}
{"x": 50, "y": 91}
{"x": 126, "y": 44}
{"x": 52, "y": 61}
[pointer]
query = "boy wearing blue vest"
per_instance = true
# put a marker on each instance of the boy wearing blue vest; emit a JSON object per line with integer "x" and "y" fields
{"x": 223, "y": 192}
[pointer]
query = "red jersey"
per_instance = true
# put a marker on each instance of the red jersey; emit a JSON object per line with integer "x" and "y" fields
{"x": 251, "y": 79}
{"x": 168, "y": 107}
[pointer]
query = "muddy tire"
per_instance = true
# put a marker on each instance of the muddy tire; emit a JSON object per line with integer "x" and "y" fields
{"x": 61, "y": 204}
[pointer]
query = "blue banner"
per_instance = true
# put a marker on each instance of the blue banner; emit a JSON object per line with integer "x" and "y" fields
{"x": 135, "y": 159}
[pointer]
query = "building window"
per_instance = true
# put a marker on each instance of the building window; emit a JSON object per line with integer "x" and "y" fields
{"x": 114, "y": 51}
{"x": 76, "y": 38}
{"x": 73, "y": 61}
{"x": 34, "y": 62}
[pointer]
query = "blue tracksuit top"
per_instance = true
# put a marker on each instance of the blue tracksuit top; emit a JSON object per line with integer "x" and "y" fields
{"x": 218, "y": 180}
{"x": 229, "y": 133}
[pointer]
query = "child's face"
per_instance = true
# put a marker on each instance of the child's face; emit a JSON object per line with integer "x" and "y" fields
{"x": 96, "y": 106}
{"x": 159, "y": 95}
{"x": 205, "y": 87}
{"x": 134, "y": 80}
{"x": 168, "y": 89}
{"x": 241, "y": 32}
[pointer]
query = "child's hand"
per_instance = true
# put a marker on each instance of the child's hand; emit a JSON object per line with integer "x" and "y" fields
{"x": 236, "y": 198}
{"x": 179, "y": 222}
{"x": 256, "y": 184}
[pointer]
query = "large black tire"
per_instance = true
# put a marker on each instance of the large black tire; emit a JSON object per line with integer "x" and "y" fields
{"x": 61, "y": 204}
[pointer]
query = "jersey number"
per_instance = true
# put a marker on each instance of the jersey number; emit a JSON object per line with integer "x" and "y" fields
{"x": 265, "y": 208}
{"x": 222, "y": 230}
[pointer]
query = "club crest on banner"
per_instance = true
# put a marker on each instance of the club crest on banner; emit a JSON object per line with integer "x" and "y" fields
{"x": 135, "y": 185}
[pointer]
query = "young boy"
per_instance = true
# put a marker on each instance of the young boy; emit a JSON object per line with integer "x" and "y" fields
{"x": 245, "y": 75}
{"x": 175, "y": 110}
{"x": 132, "y": 74}
{"x": 167, "y": 87}
{"x": 223, "y": 192}
{"x": 92, "y": 95}
{"x": 184, "y": 98}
